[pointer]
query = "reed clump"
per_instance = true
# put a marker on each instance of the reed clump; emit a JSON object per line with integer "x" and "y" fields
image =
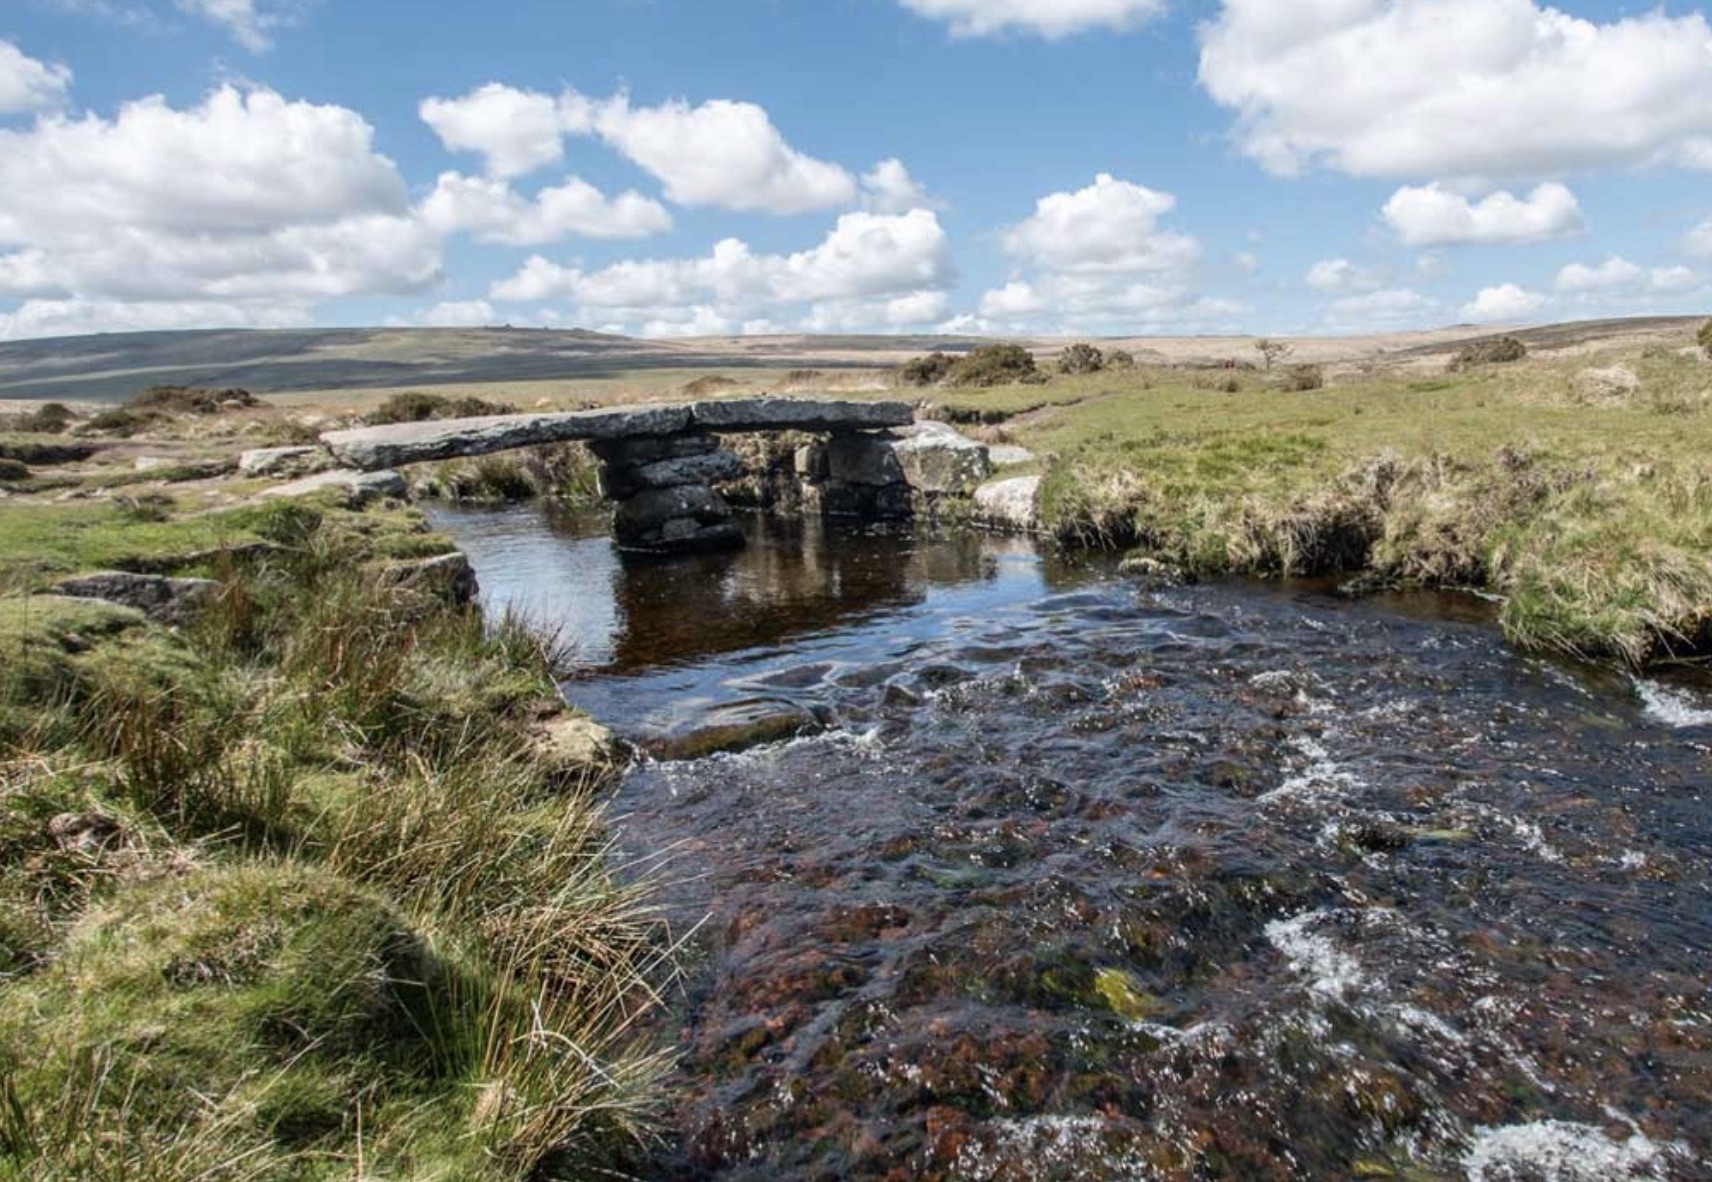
{"x": 294, "y": 893}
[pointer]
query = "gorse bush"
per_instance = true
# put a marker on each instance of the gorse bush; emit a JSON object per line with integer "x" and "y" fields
{"x": 1704, "y": 337}
{"x": 994, "y": 365}
{"x": 190, "y": 400}
{"x": 926, "y": 371}
{"x": 1082, "y": 358}
{"x": 1305, "y": 377}
{"x": 1497, "y": 351}
{"x": 412, "y": 406}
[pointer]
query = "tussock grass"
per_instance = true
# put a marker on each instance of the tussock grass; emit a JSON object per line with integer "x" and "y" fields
{"x": 1593, "y": 521}
{"x": 295, "y": 894}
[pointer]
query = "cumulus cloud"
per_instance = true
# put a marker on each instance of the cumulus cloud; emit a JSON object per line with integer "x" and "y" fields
{"x": 458, "y": 314}
{"x": 492, "y": 211}
{"x": 1506, "y": 302}
{"x": 251, "y": 23}
{"x": 1111, "y": 226}
{"x": 1335, "y": 275}
{"x": 722, "y": 153}
{"x": 1458, "y": 88}
{"x": 1618, "y": 276}
{"x": 1100, "y": 259}
{"x": 889, "y": 188}
{"x": 874, "y": 267}
{"x": 245, "y": 199}
{"x": 1699, "y": 240}
{"x": 79, "y": 317}
{"x": 29, "y": 85}
{"x": 1435, "y": 216}
{"x": 515, "y": 131}
{"x": 1051, "y": 19}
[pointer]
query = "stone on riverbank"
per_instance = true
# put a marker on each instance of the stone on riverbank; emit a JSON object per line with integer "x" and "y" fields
{"x": 1009, "y": 504}
{"x": 359, "y": 487}
{"x": 282, "y": 461}
{"x": 161, "y": 599}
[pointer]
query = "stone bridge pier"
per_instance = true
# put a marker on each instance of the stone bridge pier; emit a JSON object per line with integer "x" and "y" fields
{"x": 661, "y": 464}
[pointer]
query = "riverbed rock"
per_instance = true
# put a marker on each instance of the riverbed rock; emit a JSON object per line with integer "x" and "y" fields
{"x": 938, "y": 461}
{"x": 1611, "y": 384}
{"x": 1010, "y": 504}
{"x": 282, "y": 461}
{"x": 800, "y": 414}
{"x": 164, "y": 600}
{"x": 359, "y": 487}
{"x": 654, "y": 507}
{"x": 620, "y": 481}
{"x": 372, "y": 448}
{"x": 739, "y": 726}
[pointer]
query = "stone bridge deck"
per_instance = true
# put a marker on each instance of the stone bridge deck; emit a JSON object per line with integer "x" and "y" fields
{"x": 661, "y": 461}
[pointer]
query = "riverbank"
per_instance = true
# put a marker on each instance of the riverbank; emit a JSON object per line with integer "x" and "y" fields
{"x": 303, "y": 872}
{"x": 1576, "y": 488}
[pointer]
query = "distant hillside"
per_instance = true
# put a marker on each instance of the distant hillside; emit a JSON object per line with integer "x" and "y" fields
{"x": 110, "y": 368}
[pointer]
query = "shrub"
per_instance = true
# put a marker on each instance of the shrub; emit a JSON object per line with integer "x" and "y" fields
{"x": 13, "y": 470}
{"x": 413, "y": 406}
{"x": 926, "y": 371}
{"x": 1305, "y": 377}
{"x": 1495, "y": 351}
{"x": 1120, "y": 359}
{"x": 49, "y": 419}
{"x": 118, "y": 421}
{"x": 1705, "y": 338}
{"x": 1081, "y": 358}
{"x": 190, "y": 400}
{"x": 711, "y": 384}
{"x": 994, "y": 365}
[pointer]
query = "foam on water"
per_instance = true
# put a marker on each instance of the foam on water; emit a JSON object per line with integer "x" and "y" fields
{"x": 1559, "y": 1151}
{"x": 1055, "y": 1146}
{"x": 1330, "y": 972}
{"x": 1672, "y": 707}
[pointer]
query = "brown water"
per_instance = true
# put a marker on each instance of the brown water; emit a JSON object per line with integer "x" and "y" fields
{"x": 1091, "y": 882}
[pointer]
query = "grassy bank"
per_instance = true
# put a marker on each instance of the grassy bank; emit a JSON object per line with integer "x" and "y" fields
{"x": 1588, "y": 509}
{"x": 314, "y": 887}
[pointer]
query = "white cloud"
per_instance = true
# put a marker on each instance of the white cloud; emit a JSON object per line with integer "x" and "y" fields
{"x": 245, "y": 199}
{"x": 79, "y": 317}
{"x": 492, "y": 211}
{"x": 889, "y": 188}
{"x": 904, "y": 312}
{"x": 515, "y": 131}
{"x": 1101, "y": 261}
{"x": 1246, "y": 261}
{"x": 1435, "y": 216}
{"x": 723, "y": 154}
{"x": 1046, "y": 18}
{"x": 1458, "y": 88}
{"x": 1506, "y": 302}
{"x": 1335, "y": 275}
{"x": 250, "y": 22}
{"x": 1618, "y": 276}
{"x": 1699, "y": 240}
{"x": 1391, "y": 308}
{"x": 892, "y": 266}
{"x": 1111, "y": 226}
{"x": 29, "y": 85}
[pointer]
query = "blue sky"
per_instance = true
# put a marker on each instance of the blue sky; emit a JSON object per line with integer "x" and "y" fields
{"x": 674, "y": 167}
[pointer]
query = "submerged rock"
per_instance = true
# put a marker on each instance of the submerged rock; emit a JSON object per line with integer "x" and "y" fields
{"x": 739, "y": 726}
{"x": 576, "y": 751}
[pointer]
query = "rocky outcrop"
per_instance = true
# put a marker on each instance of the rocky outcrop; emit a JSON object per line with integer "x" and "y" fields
{"x": 1614, "y": 384}
{"x": 163, "y": 600}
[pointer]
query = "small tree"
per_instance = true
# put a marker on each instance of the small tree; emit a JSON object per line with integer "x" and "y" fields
{"x": 1705, "y": 338}
{"x": 1272, "y": 352}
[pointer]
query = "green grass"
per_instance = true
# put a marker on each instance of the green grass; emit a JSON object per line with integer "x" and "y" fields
{"x": 1592, "y": 519}
{"x": 298, "y": 893}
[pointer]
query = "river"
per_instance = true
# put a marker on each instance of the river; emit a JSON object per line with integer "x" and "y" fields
{"x": 1082, "y": 880}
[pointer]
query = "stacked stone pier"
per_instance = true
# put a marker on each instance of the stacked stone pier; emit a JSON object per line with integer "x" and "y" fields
{"x": 660, "y": 463}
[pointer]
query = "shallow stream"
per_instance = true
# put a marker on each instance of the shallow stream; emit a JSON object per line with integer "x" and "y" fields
{"x": 1085, "y": 881}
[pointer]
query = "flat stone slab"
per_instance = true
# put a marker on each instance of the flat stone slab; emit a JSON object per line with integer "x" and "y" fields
{"x": 371, "y": 448}
{"x": 391, "y": 446}
{"x": 800, "y": 414}
{"x": 359, "y": 487}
